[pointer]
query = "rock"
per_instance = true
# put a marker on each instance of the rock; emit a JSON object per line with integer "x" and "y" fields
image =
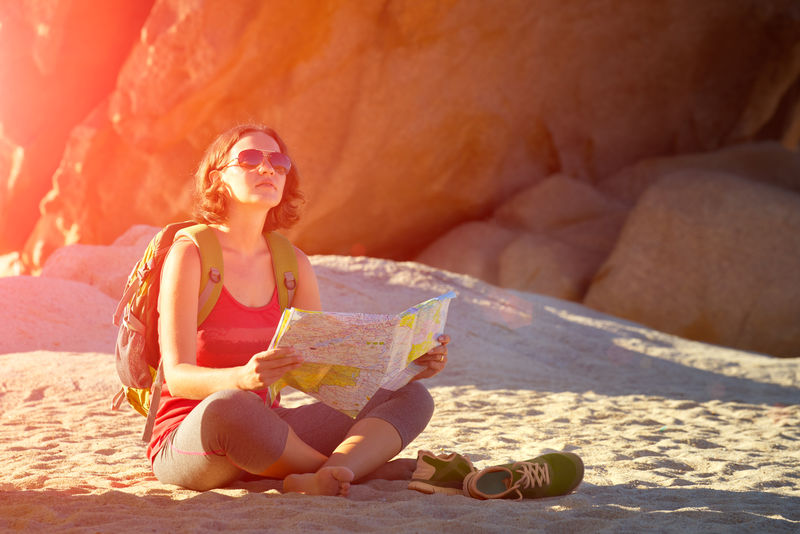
{"x": 471, "y": 248}
{"x": 400, "y": 116}
{"x": 709, "y": 256}
{"x": 57, "y": 62}
{"x": 104, "y": 267}
{"x": 94, "y": 150}
{"x": 767, "y": 162}
{"x": 549, "y": 238}
{"x": 598, "y": 235}
{"x": 777, "y": 78}
{"x": 556, "y": 202}
{"x": 568, "y": 210}
{"x": 10, "y": 264}
{"x": 138, "y": 235}
{"x": 541, "y": 264}
{"x": 56, "y": 315}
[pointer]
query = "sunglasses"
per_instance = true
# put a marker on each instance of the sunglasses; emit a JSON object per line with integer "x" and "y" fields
{"x": 251, "y": 158}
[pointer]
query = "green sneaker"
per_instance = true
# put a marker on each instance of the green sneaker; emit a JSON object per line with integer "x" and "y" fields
{"x": 548, "y": 475}
{"x": 440, "y": 474}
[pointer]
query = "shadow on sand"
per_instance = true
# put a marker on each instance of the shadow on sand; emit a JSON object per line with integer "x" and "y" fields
{"x": 590, "y": 509}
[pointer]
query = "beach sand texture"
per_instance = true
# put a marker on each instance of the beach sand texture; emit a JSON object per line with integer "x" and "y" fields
{"x": 676, "y": 435}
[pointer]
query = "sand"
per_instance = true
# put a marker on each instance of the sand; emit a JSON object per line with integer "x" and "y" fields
{"x": 676, "y": 435}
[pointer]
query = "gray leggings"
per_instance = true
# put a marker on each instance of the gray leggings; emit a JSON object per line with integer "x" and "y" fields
{"x": 232, "y": 432}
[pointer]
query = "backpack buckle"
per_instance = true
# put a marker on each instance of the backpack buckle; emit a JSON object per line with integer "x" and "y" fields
{"x": 289, "y": 281}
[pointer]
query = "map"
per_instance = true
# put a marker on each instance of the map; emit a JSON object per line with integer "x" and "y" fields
{"x": 349, "y": 356}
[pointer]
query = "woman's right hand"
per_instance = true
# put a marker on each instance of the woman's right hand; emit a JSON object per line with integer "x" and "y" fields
{"x": 265, "y": 368}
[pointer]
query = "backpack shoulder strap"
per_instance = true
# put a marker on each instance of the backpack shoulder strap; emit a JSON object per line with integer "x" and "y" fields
{"x": 211, "y": 267}
{"x": 284, "y": 263}
{"x": 151, "y": 261}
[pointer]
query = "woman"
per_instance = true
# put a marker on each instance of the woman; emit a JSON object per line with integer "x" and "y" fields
{"x": 213, "y": 425}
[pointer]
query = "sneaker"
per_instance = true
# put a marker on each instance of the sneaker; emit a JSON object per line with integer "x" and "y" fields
{"x": 549, "y": 475}
{"x": 440, "y": 474}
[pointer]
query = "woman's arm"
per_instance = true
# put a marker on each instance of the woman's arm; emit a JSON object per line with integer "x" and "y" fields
{"x": 177, "y": 332}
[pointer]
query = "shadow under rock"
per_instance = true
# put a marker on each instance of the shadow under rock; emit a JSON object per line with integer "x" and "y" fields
{"x": 602, "y": 363}
{"x": 562, "y": 346}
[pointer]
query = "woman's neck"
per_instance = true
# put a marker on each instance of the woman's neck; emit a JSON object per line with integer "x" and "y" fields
{"x": 242, "y": 232}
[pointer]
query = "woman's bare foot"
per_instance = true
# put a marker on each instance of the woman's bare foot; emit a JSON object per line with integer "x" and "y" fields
{"x": 334, "y": 480}
{"x": 400, "y": 469}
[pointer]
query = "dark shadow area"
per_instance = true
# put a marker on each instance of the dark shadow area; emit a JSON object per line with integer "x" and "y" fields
{"x": 585, "y": 353}
{"x": 621, "y": 508}
{"x": 609, "y": 368}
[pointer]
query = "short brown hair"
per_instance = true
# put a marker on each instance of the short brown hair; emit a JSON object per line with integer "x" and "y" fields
{"x": 211, "y": 198}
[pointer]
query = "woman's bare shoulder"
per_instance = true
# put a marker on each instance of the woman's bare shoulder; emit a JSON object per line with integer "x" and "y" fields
{"x": 182, "y": 259}
{"x": 307, "y": 296}
{"x": 302, "y": 258}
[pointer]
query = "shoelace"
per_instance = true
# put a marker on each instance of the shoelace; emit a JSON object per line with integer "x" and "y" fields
{"x": 531, "y": 476}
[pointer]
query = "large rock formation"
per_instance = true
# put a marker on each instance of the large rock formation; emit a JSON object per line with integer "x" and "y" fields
{"x": 105, "y": 267}
{"x": 709, "y": 256}
{"x": 767, "y": 162}
{"x": 549, "y": 238}
{"x": 418, "y": 115}
{"x": 710, "y": 250}
{"x": 58, "y": 60}
{"x": 407, "y": 120}
{"x": 77, "y": 317}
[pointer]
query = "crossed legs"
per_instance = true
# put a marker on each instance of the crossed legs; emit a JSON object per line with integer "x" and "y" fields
{"x": 316, "y": 449}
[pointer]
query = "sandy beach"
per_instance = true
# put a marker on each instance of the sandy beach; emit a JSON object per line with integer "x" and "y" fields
{"x": 677, "y": 436}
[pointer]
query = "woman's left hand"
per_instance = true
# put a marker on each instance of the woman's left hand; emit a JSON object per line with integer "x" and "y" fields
{"x": 434, "y": 360}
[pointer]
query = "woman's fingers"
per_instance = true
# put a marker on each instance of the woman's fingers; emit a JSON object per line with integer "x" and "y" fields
{"x": 279, "y": 352}
{"x": 436, "y": 354}
{"x": 434, "y": 360}
{"x": 279, "y": 366}
{"x": 272, "y": 364}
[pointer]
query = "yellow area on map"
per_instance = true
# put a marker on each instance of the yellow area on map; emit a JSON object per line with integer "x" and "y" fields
{"x": 310, "y": 376}
{"x": 408, "y": 320}
{"x": 418, "y": 349}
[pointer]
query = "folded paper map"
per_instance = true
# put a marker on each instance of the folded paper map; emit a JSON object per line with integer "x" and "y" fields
{"x": 349, "y": 356}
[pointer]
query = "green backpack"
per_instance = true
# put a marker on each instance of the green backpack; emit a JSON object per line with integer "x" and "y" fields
{"x": 138, "y": 357}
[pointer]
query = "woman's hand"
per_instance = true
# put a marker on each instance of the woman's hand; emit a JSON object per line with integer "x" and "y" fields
{"x": 434, "y": 360}
{"x": 265, "y": 368}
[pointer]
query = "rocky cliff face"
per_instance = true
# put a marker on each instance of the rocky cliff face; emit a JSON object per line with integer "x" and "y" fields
{"x": 405, "y": 119}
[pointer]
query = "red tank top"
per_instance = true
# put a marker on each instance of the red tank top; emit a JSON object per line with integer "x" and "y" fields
{"x": 229, "y": 337}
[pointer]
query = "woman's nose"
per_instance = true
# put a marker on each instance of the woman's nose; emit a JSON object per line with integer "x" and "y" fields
{"x": 266, "y": 167}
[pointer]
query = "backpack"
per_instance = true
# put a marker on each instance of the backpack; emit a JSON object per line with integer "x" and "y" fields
{"x": 138, "y": 357}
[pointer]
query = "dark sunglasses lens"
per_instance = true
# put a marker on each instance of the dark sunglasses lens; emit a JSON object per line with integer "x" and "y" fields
{"x": 250, "y": 158}
{"x": 280, "y": 162}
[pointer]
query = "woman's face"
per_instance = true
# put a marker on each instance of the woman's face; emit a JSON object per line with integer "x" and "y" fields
{"x": 261, "y": 186}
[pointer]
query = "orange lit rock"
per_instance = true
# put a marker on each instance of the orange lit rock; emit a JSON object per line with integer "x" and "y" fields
{"x": 767, "y": 162}
{"x": 549, "y": 238}
{"x": 709, "y": 256}
{"x": 58, "y": 59}
{"x": 104, "y": 267}
{"x": 569, "y": 210}
{"x": 471, "y": 248}
{"x": 407, "y": 119}
{"x": 538, "y": 263}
